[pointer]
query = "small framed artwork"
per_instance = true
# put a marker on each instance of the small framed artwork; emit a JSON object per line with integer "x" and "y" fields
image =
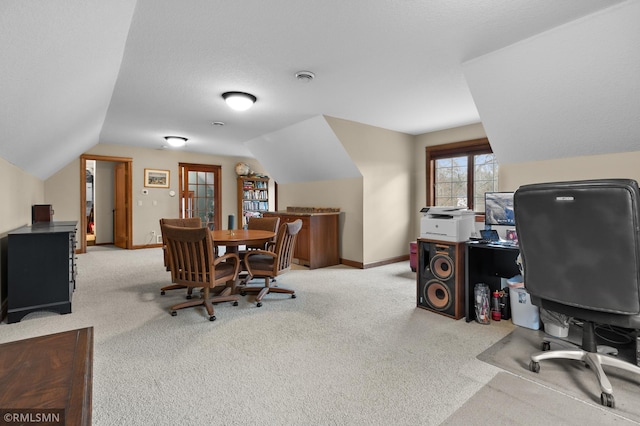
{"x": 154, "y": 178}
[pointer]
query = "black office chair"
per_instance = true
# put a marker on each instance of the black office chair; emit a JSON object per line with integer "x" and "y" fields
{"x": 580, "y": 247}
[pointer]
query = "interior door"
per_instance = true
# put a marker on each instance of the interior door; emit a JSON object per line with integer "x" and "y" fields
{"x": 120, "y": 207}
{"x": 200, "y": 193}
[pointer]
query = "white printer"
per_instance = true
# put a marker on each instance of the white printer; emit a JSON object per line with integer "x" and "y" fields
{"x": 452, "y": 224}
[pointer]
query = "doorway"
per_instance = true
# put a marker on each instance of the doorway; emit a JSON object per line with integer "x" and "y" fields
{"x": 119, "y": 215}
{"x": 200, "y": 193}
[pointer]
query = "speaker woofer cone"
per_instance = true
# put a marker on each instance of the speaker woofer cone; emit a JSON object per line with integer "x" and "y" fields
{"x": 442, "y": 266}
{"x": 437, "y": 295}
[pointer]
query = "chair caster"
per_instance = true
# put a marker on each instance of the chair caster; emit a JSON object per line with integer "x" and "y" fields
{"x": 546, "y": 346}
{"x": 212, "y": 318}
{"x": 259, "y": 304}
{"x": 534, "y": 366}
{"x": 235, "y": 303}
{"x": 607, "y": 400}
{"x": 162, "y": 293}
{"x": 174, "y": 313}
{"x": 293, "y": 296}
{"x": 189, "y": 297}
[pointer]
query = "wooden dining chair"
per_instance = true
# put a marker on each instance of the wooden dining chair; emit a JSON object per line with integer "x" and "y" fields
{"x": 193, "y": 264}
{"x": 268, "y": 264}
{"x": 191, "y": 222}
{"x": 263, "y": 224}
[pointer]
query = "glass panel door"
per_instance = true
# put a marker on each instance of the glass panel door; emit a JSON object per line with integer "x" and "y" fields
{"x": 200, "y": 193}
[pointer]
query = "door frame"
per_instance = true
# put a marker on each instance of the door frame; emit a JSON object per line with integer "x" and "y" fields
{"x": 128, "y": 165}
{"x": 217, "y": 195}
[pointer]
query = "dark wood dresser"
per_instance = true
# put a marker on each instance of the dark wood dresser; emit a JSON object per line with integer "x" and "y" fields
{"x": 52, "y": 372}
{"x": 318, "y": 243}
{"x": 41, "y": 269}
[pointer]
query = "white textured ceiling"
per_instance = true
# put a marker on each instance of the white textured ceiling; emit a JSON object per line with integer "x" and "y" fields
{"x": 78, "y": 72}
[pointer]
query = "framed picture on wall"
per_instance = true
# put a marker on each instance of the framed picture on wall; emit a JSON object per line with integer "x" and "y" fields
{"x": 154, "y": 178}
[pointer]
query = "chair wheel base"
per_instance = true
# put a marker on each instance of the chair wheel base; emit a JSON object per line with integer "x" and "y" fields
{"x": 534, "y": 366}
{"x": 607, "y": 400}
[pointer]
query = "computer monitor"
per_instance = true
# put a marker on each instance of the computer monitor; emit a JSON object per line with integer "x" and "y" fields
{"x": 498, "y": 209}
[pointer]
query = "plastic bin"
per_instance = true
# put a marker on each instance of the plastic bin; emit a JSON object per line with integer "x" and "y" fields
{"x": 413, "y": 256}
{"x": 523, "y": 312}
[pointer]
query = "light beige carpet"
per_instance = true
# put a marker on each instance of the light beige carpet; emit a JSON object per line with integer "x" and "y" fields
{"x": 568, "y": 377}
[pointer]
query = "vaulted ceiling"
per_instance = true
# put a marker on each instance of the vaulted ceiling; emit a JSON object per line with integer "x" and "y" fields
{"x": 75, "y": 73}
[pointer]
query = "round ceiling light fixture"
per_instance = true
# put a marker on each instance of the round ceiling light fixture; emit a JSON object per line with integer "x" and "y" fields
{"x": 176, "y": 141}
{"x": 240, "y": 101}
{"x": 305, "y": 76}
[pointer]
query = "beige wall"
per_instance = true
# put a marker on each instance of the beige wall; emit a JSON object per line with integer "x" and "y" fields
{"x": 63, "y": 187}
{"x": 393, "y": 186}
{"x": 384, "y": 159}
{"x": 621, "y": 165}
{"x": 343, "y": 193}
{"x": 18, "y": 191}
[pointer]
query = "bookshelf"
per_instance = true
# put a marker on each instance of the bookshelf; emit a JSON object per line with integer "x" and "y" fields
{"x": 253, "y": 198}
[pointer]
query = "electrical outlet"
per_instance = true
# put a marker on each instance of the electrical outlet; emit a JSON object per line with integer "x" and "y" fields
{"x": 159, "y": 239}
{"x": 153, "y": 232}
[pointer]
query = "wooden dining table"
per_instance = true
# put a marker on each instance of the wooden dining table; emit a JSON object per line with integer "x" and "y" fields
{"x": 233, "y": 238}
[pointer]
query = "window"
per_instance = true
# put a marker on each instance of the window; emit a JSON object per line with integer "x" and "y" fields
{"x": 458, "y": 174}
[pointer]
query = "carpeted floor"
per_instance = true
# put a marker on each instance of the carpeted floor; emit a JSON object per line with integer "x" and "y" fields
{"x": 564, "y": 378}
{"x": 351, "y": 349}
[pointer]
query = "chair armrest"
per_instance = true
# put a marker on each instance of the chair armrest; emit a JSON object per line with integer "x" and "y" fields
{"x": 255, "y": 253}
{"x": 232, "y": 257}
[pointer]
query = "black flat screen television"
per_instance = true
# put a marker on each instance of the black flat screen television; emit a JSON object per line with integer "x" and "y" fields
{"x": 498, "y": 209}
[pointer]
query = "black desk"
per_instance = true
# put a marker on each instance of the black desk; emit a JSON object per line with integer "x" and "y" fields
{"x": 488, "y": 264}
{"x": 41, "y": 269}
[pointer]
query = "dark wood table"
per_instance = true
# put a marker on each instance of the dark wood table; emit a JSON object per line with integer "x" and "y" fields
{"x": 231, "y": 239}
{"x": 49, "y": 374}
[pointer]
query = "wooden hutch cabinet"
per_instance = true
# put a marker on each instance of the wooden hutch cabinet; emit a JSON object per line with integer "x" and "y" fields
{"x": 253, "y": 198}
{"x": 318, "y": 242}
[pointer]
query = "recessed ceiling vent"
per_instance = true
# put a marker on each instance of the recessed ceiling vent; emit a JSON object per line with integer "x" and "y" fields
{"x": 305, "y": 76}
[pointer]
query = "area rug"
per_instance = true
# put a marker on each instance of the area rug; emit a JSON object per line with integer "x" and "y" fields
{"x": 511, "y": 400}
{"x": 512, "y": 353}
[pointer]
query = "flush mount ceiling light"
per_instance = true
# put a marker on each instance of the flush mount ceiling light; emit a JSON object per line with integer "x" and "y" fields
{"x": 240, "y": 101}
{"x": 305, "y": 76}
{"x": 176, "y": 141}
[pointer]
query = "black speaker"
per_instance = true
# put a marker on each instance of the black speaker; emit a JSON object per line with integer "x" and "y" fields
{"x": 441, "y": 277}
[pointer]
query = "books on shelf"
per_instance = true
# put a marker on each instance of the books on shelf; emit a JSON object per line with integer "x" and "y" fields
{"x": 255, "y": 205}
{"x": 252, "y": 184}
{"x": 255, "y": 194}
